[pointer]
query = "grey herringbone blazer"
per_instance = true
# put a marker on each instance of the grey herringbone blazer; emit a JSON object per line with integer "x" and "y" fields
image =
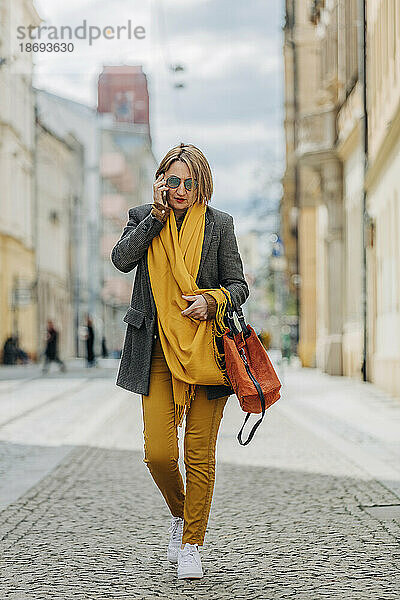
{"x": 220, "y": 264}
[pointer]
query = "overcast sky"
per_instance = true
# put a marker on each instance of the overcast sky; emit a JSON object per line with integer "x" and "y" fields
{"x": 231, "y": 106}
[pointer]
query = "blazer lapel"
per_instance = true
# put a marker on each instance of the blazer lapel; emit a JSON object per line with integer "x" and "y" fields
{"x": 208, "y": 230}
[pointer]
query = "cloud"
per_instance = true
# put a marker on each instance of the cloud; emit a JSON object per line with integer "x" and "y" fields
{"x": 256, "y": 52}
{"x": 223, "y": 17}
{"x": 230, "y": 139}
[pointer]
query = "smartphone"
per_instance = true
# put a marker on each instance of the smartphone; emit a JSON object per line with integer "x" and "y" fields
{"x": 164, "y": 195}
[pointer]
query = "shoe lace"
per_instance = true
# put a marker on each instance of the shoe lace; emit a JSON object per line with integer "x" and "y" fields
{"x": 189, "y": 554}
{"x": 175, "y": 527}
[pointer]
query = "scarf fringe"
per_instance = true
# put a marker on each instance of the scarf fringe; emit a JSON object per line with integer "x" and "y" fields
{"x": 218, "y": 330}
{"x": 182, "y": 409}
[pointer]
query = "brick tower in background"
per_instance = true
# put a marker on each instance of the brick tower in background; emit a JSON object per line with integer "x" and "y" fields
{"x": 122, "y": 91}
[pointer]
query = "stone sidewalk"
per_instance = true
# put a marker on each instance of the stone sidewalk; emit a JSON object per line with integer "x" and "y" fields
{"x": 296, "y": 514}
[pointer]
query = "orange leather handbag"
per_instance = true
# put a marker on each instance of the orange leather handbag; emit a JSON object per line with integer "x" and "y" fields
{"x": 249, "y": 369}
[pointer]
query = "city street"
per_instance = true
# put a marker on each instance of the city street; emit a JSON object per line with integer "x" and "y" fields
{"x": 310, "y": 509}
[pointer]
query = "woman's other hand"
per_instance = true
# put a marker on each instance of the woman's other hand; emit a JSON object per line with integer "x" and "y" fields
{"x": 198, "y": 309}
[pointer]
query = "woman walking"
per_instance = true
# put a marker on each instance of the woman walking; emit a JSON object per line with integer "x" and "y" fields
{"x": 187, "y": 259}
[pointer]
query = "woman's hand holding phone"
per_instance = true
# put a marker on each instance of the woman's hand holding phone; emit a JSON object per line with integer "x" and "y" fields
{"x": 161, "y": 208}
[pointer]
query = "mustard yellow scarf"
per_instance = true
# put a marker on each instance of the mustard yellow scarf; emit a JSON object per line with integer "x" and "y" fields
{"x": 189, "y": 344}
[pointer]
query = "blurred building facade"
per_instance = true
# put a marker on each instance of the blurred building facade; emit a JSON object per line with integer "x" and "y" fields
{"x": 59, "y": 187}
{"x": 17, "y": 233}
{"x": 77, "y": 124}
{"x": 346, "y": 251}
{"x": 383, "y": 189}
{"x": 127, "y": 167}
{"x": 301, "y": 216}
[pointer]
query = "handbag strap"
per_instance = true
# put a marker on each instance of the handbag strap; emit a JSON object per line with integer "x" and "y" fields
{"x": 262, "y": 400}
{"x": 230, "y": 320}
{"x": 252, "y": 432}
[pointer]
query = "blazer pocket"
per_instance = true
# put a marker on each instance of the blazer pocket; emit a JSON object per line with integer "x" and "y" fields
{"x": 134, "y": 317}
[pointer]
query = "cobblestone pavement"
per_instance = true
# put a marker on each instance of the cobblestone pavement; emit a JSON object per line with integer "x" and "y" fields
{"x": 290, "y": 516}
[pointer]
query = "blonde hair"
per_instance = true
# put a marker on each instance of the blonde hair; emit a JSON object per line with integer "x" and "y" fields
{"x": 198, "y": 166}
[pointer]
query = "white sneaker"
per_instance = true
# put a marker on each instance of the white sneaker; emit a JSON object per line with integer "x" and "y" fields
{"x": 189, "y": 562}
{"x": 175, "y": 539}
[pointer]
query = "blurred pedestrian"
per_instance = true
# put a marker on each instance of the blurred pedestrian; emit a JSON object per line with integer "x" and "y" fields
{"x": 20, "y": 354}
{"x": 9, "y": 351}
{"x": 286, "y": 343}
{"x": 104, "y": 351}
{"x": 90, "y": 357}
{"x": 51, "y": 352}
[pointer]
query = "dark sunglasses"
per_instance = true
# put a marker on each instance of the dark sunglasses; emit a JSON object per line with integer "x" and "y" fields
{"x": 174, "y": 181}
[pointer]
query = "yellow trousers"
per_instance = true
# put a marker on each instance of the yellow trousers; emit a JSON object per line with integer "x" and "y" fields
{"x": 161, "y": 451}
